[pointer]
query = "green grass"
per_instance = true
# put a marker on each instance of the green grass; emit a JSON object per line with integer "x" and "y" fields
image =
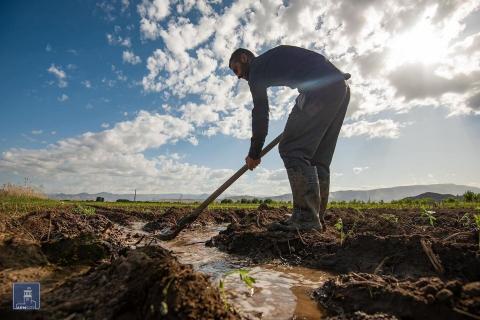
{"x": 17, "y": 205}
{"x": 13, "y": 205}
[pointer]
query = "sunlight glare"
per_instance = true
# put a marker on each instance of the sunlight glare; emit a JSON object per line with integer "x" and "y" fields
{"x": 421, "y": 44}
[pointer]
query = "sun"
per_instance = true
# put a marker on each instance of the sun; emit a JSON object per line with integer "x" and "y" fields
{"x": 420, "y": 44}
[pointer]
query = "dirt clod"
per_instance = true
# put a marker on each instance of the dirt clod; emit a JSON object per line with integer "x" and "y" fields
{"x": 403, "y": 299}
{"x": 146, "y": 283}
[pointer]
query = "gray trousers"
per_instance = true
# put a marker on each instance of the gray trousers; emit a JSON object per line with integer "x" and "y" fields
{"x": 313, "y": 126}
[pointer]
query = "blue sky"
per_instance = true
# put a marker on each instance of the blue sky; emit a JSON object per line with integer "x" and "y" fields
{"x": 117, "y": 95}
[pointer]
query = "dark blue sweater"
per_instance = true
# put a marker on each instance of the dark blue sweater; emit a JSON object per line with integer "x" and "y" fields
{"x": 284, "y": 66}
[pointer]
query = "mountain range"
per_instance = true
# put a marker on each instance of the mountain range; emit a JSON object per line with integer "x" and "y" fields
{"x": 385, "y": 194}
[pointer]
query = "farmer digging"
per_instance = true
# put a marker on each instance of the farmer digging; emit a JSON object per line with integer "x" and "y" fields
{"x": 312, "y": 128}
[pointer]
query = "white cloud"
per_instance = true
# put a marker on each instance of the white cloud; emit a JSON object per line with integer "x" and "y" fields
{"x": 272, "y": 175}
{"x": 48, "y": 48}
{"x": 358, "y": 170}
{"x": 63, "y": 98}
{"x": 37, "y": 132}
{"x": 105, "y": 125}
{"x": 359, "y": 37}
{"x": 130, "y": 57}
{"x": 125, "y": 4}
{"x": 193, "y": 140}
{"x": 118, "y": 40}
{"x": 384, "y": 128}
{"x": 198, "y": 114}
{"x": 59, "y": 74}
{"x": 108, "y": 10}
{"x": 401, "y": 54}
{"x": 53, "y": 133}
{"x": 151, "y": 13}
{"x": 87, "y": 84}
{"x": 109, "y": 82}
{"x": 113, "y": 160}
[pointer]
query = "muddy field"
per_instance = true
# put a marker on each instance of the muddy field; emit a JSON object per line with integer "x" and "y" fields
{"x": 385, "y": 264}
{"x": 90, "y": 267}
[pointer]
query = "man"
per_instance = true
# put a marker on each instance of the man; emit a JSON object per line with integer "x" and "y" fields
{"x": 312, "y": 128}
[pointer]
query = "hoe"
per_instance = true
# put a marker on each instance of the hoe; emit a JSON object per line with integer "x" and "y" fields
{"x": 171, "y": 233}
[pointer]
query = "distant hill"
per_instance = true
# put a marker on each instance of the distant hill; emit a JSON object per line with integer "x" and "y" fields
{"x": 397, "y": 193}
{"x": 129, "y": 196}
{"x": 434, "y": 196}
{"x": 385, "y": 194}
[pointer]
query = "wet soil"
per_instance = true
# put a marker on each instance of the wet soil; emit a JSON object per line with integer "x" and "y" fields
{"x": 89, "y": 268}
{"x": 424, "y": 298}
{"x": 143, "y": 283}
{"x": 171, "y": 215}
{"x": 401, "y": 244}
{"x": 370, "y": 243}
{"x": 279, "y": 292}
{"x": 391, "y": 264}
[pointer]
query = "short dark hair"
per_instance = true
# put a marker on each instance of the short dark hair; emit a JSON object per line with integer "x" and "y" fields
{"x": 235, "y": 57}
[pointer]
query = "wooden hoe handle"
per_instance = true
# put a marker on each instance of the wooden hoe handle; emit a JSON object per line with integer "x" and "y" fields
{"x": 188, "y": 219}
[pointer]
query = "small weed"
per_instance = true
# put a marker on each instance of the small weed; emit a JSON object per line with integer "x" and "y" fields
{"x": 243, "y": 273}
{"x": 465, "y": 220}
{"x": 244, "y": 276}
{"x": 339, "y": 227}
{"x": 164, "y": 304}
{"x": 223, "y": 295}
{"x": 351, "y": 231}
{"x": 88, "y": 211}
{"x": 476, "y": 219}
{"x": 390, "y": 217}
{"x": 429, "y": 215}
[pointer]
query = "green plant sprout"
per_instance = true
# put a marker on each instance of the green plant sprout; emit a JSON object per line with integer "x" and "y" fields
{"x": 339, "y": 227}
{"x": 221, "y": 287}
{"x": 164, "y": 305}
{"x": 429, "y": 215}
{"x": 246, "y": 279}
{"x": 351, "y": 231}
{"x": 465, "y": 220}
{"x": 476, "y": 219}
{"x": 243, "y": 273}
{"x": 88, "y": 211}
{"x": 390, "y": 217}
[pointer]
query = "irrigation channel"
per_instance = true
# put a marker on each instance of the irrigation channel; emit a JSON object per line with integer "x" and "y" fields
{"x": 280, "y": 292}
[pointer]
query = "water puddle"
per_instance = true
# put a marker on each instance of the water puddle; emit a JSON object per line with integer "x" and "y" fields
{"x": 280, "y": 292}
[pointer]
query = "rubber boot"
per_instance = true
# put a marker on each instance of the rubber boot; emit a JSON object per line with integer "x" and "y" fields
{"x": 324, "y": 183}
{"x": 306, "y": 200}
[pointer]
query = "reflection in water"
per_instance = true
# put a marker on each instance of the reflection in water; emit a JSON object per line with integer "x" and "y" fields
{"x": 280, "y": 292}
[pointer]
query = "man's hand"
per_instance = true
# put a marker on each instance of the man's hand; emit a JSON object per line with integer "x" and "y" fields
{"x": 252, "y": 163}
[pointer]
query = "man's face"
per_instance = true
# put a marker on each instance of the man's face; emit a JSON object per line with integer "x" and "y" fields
{"x": 240, "y": 68}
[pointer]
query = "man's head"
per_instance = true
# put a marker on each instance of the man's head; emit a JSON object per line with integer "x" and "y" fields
{"x": 240, "y": 62}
